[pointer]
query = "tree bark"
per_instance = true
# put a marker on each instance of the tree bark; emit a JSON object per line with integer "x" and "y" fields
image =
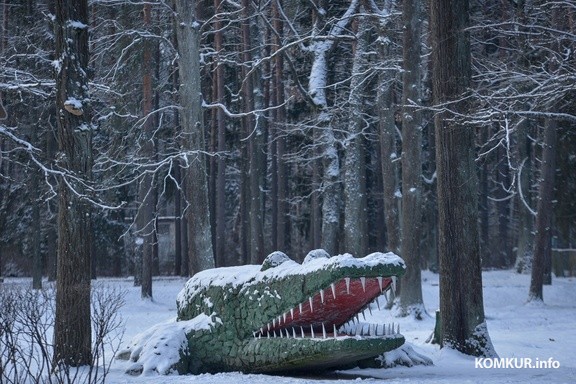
{"x": 411, "y": 302}
{"x": 255, "y": 134}
{"x": 72, "y": 329}
{"x": 543, "y": 238}
{"x": 524, "y": 201}
{"x": 146, "y": 196}
{"x": 355, "y": 219}
{"x": 461, "y": 300}
{"x": 282, "y": 223}
{"x": 388, "y": 151}
{"x": 220, "y": 184}
{"x": 200, "y": 252}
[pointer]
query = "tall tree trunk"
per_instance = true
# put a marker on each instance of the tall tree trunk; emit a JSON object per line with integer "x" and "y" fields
{"x": 220, "y": 184}
{"x": 177, "y": 221}
{"x": 72, "y": 329}
{"x": 411, "y": 301}
{"x": 331, "y": 187}
{"x": 543, "y": 239}
{"x": 355, "y": 228}
{"x": 37, "y": 230}
{"x": 200, "y": 253}
{"x": 524, "y": 201}
{"x": 463, "y": 324}
{"x": 282, "y": 222}
{"x": 388, "y": 150}
{"x": 145, "y": 216}
{"x": 324, "y": 131}
{"x": 255, "y": 131}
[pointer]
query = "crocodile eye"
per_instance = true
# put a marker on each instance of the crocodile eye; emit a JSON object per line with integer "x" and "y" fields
{"x": 274, "y": 259}
{"x": 316, "y": 254}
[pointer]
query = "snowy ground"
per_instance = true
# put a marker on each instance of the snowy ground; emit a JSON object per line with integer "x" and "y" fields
{"x": 517, "y": 329}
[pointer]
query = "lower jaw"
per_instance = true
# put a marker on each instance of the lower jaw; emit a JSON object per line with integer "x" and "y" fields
{"x": 283, "y": 355}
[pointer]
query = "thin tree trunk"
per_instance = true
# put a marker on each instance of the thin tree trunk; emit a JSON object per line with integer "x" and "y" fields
{"x": 389, "y": 157}
{"x": 145, "y": 217}
{"x": 185, "y": 267}
{"x": 282, "y": 222}
{"x": 543, "y": 239}
{"x": 72, "y": 328}
{"x": 220, "y": 192}
{"x": 315, "y": 209}
{"x": 200, "y": 250}
{"x": 355, "y": 229}
{"x": 524, "y": 201}
{"x": 411, "y": 301}
{"x": 461, "y": 300}
{"x": 255, "y": 132}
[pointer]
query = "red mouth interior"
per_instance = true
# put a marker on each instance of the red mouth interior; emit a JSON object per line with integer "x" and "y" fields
{"x": 331, "y": 307}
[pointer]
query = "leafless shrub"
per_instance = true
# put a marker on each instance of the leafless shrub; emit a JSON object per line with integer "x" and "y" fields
{"x": 26, "y": 332}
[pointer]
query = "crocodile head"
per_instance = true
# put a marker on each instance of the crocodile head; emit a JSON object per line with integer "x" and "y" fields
{"x": 285, "y": 316}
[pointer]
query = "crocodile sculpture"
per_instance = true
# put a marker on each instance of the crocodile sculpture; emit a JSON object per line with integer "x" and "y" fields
{"x": 279, "y": 317}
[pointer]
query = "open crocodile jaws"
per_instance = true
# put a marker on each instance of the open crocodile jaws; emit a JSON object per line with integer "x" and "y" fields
{"x": 284, "y": 316}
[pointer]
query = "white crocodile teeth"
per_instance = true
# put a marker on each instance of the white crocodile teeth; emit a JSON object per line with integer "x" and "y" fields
{"x": 323, "y": 331}
{"x": 294, "y": 332}
{"x": 274, "y": 323}
{"x": 334, "y": 330}
{"x": 333, "y": 287}
{"x": 292, "y": 313}
{"x": 302, "y": 331}
{"x": 284, "y": 316}
{"x": 380, "y": 283}
{"x": 312, "y": 331}
{"x": 300, "y": 308}
{"x": 310, "y": 301}
{"x": 322, "y": 296}
{"x": 347, "y": 279}
{"x": 363, "y": 281}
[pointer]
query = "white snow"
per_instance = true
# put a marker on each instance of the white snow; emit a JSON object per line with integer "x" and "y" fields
{"x": 77, "y": 24}
{"x": 157, "y": 348}
{"x": 283, "y": 266}
{"x": 74, "y": 102}
{"x": 518, "y": 330}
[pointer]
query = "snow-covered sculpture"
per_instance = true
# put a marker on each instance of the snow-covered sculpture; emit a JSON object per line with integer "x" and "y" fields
{"x": 279, "y": 317}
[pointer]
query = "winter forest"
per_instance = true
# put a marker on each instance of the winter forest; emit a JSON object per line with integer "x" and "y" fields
{"x": 165, "y": 137}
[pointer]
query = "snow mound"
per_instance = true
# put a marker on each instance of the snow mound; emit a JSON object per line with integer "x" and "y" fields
{"x": 158, "y": 349}
{"x": 404, "y": 355}
{"x": 316, "y": 254}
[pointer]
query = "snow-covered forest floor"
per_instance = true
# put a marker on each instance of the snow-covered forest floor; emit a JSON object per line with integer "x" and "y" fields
{"x": 517, "y": 329}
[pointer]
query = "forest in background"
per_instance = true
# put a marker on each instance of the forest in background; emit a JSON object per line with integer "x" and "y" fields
{"x": 305, "y": 114}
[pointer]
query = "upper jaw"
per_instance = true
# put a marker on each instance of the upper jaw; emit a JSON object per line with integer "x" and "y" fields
{"x": 333, "y": 311}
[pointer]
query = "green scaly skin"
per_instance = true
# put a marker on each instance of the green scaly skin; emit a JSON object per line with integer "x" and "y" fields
{"x": 258, "y": 314}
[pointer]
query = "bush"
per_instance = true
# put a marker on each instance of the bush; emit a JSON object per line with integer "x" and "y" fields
{"x": 26, "y": 334}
